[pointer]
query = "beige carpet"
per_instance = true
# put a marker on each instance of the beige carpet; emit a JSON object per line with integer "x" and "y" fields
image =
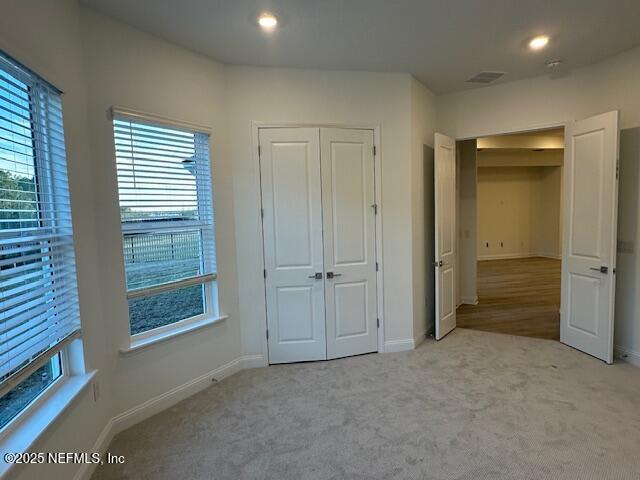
{"x": 475, "y": 405}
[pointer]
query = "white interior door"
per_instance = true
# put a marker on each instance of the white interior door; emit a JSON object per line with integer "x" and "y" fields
{"x": 348, "y": 199}
{"x": 590, "y": 219}
{"x": 292, "y": 224}
{"x": 445, "y": 233}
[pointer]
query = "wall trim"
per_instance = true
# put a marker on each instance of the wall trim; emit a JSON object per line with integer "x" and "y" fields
{"x": 627, "y": 355}
{"x": 169, "y": 398}
{"x": 555, "y": 256}
{"x": 469, "y": 300}
{"x": 157, "y": 404}
{"x": 419, "y": 340}
{"x": 506, "y": 256}
{"x": 85, "y": 470}
{"x": 403, "y": 345}
{"x": 253, "y": 361}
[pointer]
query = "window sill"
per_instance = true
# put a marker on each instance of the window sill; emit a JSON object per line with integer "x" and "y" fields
{"x": 147, "y": 341}
{"x": 22, "y": 437}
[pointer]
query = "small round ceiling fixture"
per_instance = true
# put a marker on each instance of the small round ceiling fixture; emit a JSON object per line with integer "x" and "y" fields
{"x": 267, "y": 21}
{"x": 539, "y": 42}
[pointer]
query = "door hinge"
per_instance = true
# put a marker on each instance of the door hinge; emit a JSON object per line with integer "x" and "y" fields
{"x": 377, "y": 267}
{"x": 264, "y": 272}
{"x": 259, "y": 150}
{"x": 374, "y": 150}
{"x": 262, "y": 212}
{"x": 375, "y": 208}
{"x": 267, "y": 334}
{"x": 377, "y": 323}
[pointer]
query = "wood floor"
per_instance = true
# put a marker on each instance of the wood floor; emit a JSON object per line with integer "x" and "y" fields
{"x": 516, "y": 296}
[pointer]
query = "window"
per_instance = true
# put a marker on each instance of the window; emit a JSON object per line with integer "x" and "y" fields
{"x": 164, "y": 184}
{"x": 39, "y": 312}
{"x": 20, "y": 396}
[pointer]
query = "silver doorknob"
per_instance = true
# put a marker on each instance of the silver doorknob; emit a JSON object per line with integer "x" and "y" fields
{"x": 601, "y": 269}
{"x": 317, "y": 276}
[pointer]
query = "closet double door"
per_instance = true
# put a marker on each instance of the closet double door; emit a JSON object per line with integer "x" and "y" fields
{"x": 318, "y": 218}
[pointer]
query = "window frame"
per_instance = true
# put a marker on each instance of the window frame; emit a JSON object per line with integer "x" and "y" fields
{"x": 42, "y": 397}
{"x": 33, "y": 420}
{"x": 212, "y": 313}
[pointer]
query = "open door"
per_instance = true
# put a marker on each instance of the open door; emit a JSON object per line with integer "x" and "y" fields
{"x": 590, "y": 218}
{"x": 445, "y": 233}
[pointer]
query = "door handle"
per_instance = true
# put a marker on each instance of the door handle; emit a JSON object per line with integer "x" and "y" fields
{"x": 438, "y": 263}
{"x": 317, "y": 276}
{"x": 601, "y": 269}
{"x": 331, "y": 275}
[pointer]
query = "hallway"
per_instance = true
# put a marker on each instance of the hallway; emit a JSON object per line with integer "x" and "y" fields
{"x": 516, "y": 296}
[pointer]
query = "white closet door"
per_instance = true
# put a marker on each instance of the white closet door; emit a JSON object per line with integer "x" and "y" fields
{"x": 445, "y": 233}
{"x": 348, "y": 199}
{"x": 291, "y": 198}
{"x": 590, "y": 219}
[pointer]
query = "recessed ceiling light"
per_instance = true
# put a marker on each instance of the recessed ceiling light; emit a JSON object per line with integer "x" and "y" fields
{"x": 268, "y": 21}
{"x": 538, "y": 42}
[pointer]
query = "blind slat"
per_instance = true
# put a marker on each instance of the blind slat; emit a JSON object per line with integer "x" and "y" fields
{"x": 39, "y": 303}
{"x": 165, "y": 191}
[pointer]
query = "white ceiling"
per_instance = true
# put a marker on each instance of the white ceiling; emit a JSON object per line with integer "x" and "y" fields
{"x": 441, "y": 42}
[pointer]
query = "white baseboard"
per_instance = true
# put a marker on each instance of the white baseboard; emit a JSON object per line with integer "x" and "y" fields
{"x": 509, "y": 256}
{"x": 555, "y": 256}
{"x": 157, "y": 404}
{"x": 403, "y": 345}
{"x": 469, "y": 300}
{"x": 85, "y": 470}
{"x": 627, "y": 355}
{"x": 505, "y": 256}
{"x": 253, "y": 361}
{"x": 418, "y": 341}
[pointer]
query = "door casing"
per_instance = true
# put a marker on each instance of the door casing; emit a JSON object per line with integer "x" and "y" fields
{"x": 524, "y": 129}
{"x": 255, "y": 139}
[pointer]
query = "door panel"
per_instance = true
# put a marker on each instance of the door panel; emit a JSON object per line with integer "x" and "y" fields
{"x": 586, "y": 216}
{"x": 292, "y": 224}
{"x": 588, "y": 262}
{"x": 292, "y": 199}
{"x": 348, "y": 197}
{"x": 349, "y": 208}
{"x": 445, "y": 228}
{"x": 350, "y": 309}
{"x": 294, "y": 303}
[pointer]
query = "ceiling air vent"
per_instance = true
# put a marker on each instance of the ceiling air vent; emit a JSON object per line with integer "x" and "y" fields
{"x": 485, "y": 77}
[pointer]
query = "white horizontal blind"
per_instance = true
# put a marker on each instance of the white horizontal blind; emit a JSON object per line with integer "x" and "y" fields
{"x": 164, "y": 183}
{"x": 39, "y": 301}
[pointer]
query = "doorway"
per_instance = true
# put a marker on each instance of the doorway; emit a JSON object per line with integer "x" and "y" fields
{"x": 518, "y": 234}
{"x": 319, "y": 228}
{"x": 589, "y": 233}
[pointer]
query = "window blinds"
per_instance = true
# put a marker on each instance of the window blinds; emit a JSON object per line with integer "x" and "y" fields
{"x": 39, "y": 301}
{"x": 164, "y": 184}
